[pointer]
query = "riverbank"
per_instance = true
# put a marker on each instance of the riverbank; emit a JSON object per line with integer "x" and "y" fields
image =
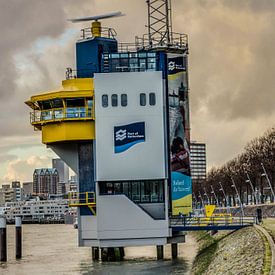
{"x": 231, "y": 252}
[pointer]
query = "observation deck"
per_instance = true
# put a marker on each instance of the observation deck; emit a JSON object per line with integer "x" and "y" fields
{"x": 66, "y": 114}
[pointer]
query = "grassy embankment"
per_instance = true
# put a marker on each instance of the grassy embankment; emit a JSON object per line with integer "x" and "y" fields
{"x": 240, "y": 252}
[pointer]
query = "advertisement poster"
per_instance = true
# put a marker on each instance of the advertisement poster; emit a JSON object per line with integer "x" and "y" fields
{"x": 179, "y": 134}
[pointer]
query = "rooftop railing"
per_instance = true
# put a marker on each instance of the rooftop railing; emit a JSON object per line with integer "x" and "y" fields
{"x": 86, "y": 33}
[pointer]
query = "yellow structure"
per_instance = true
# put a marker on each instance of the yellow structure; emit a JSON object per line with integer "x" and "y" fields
{"x": 83, "y": 199}
{"x": 66, "y": 114}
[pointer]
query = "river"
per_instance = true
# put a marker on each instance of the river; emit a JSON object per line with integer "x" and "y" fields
{"x": 52, "y": 249}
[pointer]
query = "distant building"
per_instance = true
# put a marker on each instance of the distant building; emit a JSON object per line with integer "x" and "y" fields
{"x": 27, "y": 189}
{"x": 62, "y": 168}
{"x": 61, "y": 188}
{"x": 15, "y": 184}
{"x": 198, "y": 161}
{"x": 45, "y": 181}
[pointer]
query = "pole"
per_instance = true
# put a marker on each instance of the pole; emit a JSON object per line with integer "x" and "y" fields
{"x": 18, "y": 237}
{"x": 268, "y": 180}
{"x": 201, "y": 199}
{"x": 206, "y": 195}
{"x": 216, "y": 199}
{"x": 3, "y": 239}
{"x": 239, "y": 198}
{"x": 251, "y": 185}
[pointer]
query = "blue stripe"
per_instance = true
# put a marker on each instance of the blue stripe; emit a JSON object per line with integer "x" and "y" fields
{"x": 122, "y": 148}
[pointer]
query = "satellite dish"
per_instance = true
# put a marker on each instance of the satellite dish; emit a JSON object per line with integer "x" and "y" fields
{"x": 97, "y": 17}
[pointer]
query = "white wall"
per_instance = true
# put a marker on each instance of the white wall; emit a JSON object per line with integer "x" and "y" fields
{"x": 120, "y": 218}
{"x": 144, "y": 160}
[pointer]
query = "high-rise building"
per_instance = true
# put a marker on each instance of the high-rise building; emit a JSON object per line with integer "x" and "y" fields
{"x": 27, "y": 189}
{"x": 45, "y": 181}
{"x": 198, "y": 161}
{"x": 62, "y": 168}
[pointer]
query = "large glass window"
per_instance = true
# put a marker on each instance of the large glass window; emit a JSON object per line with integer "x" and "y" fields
{"x": 138, "y": 191}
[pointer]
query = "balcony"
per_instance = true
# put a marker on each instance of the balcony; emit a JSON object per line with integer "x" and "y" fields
{"x": 61, "y": 114}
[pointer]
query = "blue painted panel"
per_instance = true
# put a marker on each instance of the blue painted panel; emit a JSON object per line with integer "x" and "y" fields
{"x": 89, "y": 55}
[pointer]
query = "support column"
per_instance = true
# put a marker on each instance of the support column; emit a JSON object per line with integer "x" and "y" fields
{"x": 3, "y": 239}
{"x": 18, "y": 237}
{"x": 160, "y": 252}
{"x": 95, "y": 253}
{"x": 174, "y": 250}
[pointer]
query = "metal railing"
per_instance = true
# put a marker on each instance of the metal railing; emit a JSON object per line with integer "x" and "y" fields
{"x": 217, "y": 221}
{"x": 61, "y": 114}
{"x": 105, "y": 32}
{"x": 76, "y": 199}
{"x": 177, "y": 40}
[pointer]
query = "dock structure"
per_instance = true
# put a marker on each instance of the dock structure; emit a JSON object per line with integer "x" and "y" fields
{"x": 121, "y": 122}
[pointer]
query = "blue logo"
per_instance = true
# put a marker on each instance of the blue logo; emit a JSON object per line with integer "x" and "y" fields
{"x": 126, "y": 136}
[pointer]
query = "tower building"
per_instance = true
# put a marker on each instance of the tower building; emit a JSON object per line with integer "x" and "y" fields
{"x": 121, "y": 122}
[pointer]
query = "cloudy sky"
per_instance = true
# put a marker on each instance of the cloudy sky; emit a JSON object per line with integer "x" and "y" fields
{"x": 232, "y": 69}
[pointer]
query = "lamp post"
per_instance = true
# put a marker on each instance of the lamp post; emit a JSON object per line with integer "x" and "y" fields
{"x": 206, "y": 195}
{"x": 239, "y": 198}
{"x": 200, "y": 196}
{"x": 213, "y": 192}
{"x": 268, "y": 180}
{"x": 196, "y": 202}
{"x": 226, "y": 202}
{"x": 252, "y": 187}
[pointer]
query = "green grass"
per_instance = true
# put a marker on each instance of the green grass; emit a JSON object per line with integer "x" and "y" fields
{"x": 207, "y": 248}
{"x": 268, "y": 255}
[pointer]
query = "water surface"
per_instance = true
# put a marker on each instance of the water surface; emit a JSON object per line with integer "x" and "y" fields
{"x": 52, "y": 249}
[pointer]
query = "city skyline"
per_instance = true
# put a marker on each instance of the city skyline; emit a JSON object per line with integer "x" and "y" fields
{"x": 231, "y": 66}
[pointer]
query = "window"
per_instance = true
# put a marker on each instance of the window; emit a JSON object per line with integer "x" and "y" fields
{"x": 75, "y": 102}
{"x": 142, "y": 99}
{"x": 114, "y": 100}
{"x": 138, "y": 191}
{"x": 123, "y": 100}
{"x": 104, "y": 101}
{"x": 57, "y": 103}
{"x": 152, "y": 99}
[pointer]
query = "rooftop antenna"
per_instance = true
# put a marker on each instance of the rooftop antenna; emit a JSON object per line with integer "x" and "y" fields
{"x": 159, "y": 22}
{"x": 96, "y": 24}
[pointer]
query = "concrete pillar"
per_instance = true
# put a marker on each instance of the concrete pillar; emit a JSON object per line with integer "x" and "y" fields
{"x": 3, "y": 239}
{"x": 160, "y": 252}
{"x": 95, "y": 253}
{"x": 18, "y": 237}
{"x": 174, "y": 250}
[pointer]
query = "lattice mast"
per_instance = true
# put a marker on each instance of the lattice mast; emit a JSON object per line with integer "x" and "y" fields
{"x": 159, "y": 22}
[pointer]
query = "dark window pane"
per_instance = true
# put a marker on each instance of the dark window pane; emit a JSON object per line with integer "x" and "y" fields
{"x": 46, "y": 105}
{"x": 57, "y": 103}
{"x": 152, "y": 99}
{"x": 123, "y": 100}
{"x": 114, "y": 100}
{"x": 104, "y": 101}
{"x": 142, "y": 99}
{"x": 75, "y": 102}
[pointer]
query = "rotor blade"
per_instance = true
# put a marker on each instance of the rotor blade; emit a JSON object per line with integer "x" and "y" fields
{"x": 97, "y": 17}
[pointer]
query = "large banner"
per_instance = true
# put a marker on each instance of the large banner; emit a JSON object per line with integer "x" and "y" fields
{"x": 179, "y": 134}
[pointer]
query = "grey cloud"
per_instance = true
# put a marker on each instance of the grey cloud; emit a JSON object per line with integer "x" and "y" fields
{"x": 231, "y": 59}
